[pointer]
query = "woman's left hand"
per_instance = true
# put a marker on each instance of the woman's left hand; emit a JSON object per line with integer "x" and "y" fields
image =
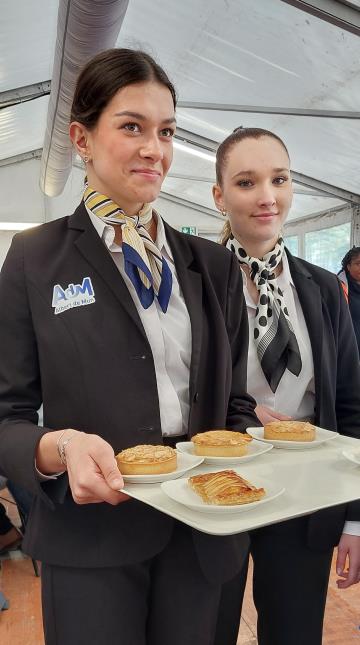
{"x": 267, "y": 415}
{"x": 349, "y": 548}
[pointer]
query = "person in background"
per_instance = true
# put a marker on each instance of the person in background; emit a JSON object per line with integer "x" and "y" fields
{"x": 302, "y": 365}
{"x": 10, "y": 536}
{"x": 349, "y": 277}
{"x": 23, "y": 500}
{"x": 129, "y": 333}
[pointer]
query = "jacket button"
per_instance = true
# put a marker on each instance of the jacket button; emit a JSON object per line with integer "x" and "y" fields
{"x": 196, "y": 397}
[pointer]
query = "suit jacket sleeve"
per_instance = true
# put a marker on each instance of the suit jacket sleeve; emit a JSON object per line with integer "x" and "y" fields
{"x": 348, "y": 386}
{"x": 347, "y": 375}
{"x": 20, "y": 386}
{"x": 240, "y": 414}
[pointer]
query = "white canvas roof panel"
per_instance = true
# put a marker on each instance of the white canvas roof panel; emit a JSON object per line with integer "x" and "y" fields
{"x": 27, "y": 41}
{"x": 264, "y": 53}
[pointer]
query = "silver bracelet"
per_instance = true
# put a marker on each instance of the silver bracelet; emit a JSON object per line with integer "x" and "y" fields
{"x": 62, "y": 445}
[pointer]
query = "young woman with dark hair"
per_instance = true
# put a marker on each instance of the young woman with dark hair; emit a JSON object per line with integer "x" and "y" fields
{"x": 349, "y": 277}
{"x": 114, "y": 321}
{"x": 302, "y": 364}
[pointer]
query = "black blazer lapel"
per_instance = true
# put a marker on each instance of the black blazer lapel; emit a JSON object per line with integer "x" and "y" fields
{"x": 92, "y": 248}
{"x": 191, "y": 286}
{"x": 311, "y": 302}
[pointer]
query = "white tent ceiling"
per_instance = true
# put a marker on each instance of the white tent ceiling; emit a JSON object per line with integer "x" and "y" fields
{"x": 266, "y": 54}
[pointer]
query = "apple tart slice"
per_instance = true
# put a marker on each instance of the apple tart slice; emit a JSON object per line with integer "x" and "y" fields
{"x": 226, "y": 488}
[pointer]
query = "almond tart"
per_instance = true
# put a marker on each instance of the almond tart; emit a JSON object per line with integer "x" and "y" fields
{"x": 221, "y": 443}
{"x": 290, "y": 431}
{"x": 147, "y": 460}
{"x": 225, "y": 488}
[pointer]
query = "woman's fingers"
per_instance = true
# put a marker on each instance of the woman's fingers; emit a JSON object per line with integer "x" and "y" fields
{"x": 107, "y": 464}
{"x": 281, "y": 417}
{"x": 267, "y": 415}
{"x": 349, "y": 548}
{"x": 93, "y": 473}
{"x": 341, "y": 560}
{"x": 90, "y": 487}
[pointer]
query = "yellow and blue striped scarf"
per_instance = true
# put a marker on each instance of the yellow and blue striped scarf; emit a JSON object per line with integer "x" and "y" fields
{"x": 145, "y": 266}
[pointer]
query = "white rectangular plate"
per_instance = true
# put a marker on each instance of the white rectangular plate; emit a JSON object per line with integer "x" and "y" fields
{"x": 352, "y": 455}
{"x": 184, "y": 463}
{"x": 255, "y": 449}
{"x": 179, "y": 491}
{"x": 322, "y": 436}
{"x": 313, "y": 480}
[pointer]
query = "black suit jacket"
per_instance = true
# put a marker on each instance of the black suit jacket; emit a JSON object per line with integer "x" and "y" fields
{"x": 92, "y": 368}
{"x": 337, "y": 377}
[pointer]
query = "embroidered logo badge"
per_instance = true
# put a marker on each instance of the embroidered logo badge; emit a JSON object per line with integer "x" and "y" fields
{"x": 75, "y": 295}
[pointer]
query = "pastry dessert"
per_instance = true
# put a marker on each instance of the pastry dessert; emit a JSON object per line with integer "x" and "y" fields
{"x": 290, "y": 431}
{"x": 147, "y": 460}
{"x": 221, "y": 443}
{"x": 225, "y": 488}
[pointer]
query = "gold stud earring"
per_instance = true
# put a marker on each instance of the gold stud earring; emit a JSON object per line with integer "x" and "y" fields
{"x": 223, "y": 212}
{"x": 86, "y": 159}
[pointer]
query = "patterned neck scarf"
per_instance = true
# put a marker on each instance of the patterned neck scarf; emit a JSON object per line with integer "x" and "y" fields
{"x": 274, "y": 337}
{"x": 145, "y": 266}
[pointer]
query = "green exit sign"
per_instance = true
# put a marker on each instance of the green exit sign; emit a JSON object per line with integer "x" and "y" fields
{"x": 190, "y": 230}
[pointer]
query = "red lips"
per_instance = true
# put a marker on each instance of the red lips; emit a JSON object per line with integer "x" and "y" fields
{"x": 268, "y": 214}
{"x": 147, "y": 171}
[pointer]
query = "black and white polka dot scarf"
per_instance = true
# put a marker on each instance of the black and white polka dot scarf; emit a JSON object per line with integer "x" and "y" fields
{"x": 274, "y": 337}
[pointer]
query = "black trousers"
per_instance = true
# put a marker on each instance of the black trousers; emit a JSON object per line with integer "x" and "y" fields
{"x": 290, "y": 585}
{"x": 163, "y": 601}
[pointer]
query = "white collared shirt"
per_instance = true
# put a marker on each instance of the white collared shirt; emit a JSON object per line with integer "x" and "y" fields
{"x": 169, "y": 334}
{"x": 295, "y": 395}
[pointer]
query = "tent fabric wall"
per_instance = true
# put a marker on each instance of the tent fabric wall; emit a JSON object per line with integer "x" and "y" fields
{"x": 262, "y": 54}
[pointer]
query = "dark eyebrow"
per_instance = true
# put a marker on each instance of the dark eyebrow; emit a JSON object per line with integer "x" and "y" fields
{"x": 141, "y": 117}
{"x": 243, "y": 173}
{"x": 250, "y": 173}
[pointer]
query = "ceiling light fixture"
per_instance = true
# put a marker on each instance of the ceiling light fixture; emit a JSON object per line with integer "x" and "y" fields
{"x": 194, "y": 151}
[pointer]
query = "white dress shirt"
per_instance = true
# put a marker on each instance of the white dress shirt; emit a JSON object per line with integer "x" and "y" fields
{"x": 295, "y": 395}
{"x": 169, "y": 334}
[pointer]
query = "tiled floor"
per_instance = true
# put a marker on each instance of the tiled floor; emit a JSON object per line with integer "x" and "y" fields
{"x": 21, "y": 624}
{"x": 342, "y": 616}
